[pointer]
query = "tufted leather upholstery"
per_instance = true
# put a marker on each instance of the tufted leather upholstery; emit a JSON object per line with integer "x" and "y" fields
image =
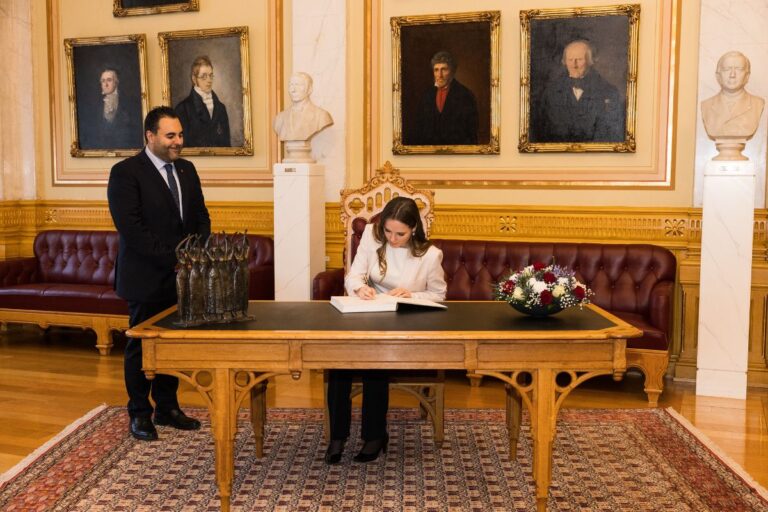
{"x": 73, "y": 271}
{"x": 633, "y": 281}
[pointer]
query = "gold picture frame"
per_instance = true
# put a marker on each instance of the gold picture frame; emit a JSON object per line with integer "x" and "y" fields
{"x": 470, "y": 43}
{"x": 569, "y": 106}
{"x": 122, "y": 8}
{"x": 231, "y": 92}
{"x": 99, "y": 68}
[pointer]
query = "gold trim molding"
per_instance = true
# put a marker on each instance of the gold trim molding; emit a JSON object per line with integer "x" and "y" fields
{"x": 20, "y": 221}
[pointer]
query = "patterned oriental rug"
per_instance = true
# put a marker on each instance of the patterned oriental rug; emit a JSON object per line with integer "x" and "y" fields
{"x": 646, "y": 459}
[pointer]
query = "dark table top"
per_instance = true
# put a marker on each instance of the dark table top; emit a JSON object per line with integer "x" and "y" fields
{"x": 460, "y": 316}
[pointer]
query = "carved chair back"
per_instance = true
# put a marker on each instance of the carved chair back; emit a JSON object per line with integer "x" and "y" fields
{"x": 364, "y": 205}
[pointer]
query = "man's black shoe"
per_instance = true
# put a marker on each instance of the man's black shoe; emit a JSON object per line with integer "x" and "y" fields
{"x": 177, "y": 419}
{"x": 142, "y": 429}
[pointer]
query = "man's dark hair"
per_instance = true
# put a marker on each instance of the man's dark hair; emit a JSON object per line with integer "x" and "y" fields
{"x": 152, "y": 121}
{"x": 443, "y": 57}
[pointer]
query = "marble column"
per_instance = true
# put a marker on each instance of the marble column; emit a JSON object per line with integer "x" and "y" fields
{"x": 17, "y": 145}
{"x": 726, "y": 275}
{"x": 299, "y": 229}
{"x": 319, "y": 47}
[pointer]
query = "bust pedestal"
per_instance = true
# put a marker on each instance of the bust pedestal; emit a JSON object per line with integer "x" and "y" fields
{"x": 726, "y": 276}
{"x": 299, "y": 213}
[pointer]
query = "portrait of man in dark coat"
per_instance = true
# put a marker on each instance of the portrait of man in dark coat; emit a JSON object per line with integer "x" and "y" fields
{"x": 448, "y": 110}
{"x": 114, "y": 122}
{"x": 578, "y": 104}
{"x": 203, "y": 116}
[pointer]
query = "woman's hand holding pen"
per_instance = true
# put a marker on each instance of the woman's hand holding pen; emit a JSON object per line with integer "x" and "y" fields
{"x": 366, "y": 292}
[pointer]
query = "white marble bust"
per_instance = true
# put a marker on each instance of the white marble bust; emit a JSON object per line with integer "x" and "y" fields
{"x": 302, "y": 120}
{"x": 731, "y": 116}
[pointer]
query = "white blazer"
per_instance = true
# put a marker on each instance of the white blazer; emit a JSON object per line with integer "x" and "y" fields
{"x": 423, "y": 276}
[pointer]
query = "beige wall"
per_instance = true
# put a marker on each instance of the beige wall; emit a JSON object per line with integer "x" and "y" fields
{"x": 73, "y": 21}
{"x": 512, "y": 162}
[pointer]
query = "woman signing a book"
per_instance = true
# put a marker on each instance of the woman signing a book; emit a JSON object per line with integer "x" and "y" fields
{"x": 395, "y": 258}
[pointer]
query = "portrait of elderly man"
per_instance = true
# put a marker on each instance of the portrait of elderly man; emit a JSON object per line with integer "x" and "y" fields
{"x": 115, "y": 123}
{"x": 733, "y": 112}
{"x": 302, "y": 119}
{"x": 447, "y": 112}
{"x": 203, "y": 116}
{"x": 578, "y": 104}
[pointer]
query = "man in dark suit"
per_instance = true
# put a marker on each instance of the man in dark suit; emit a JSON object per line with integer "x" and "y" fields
{"x": 203, "y": 116}
{"x": 448, "y": 111}
{"x": 156, "y": 200}
{"x": 579, "y": 105}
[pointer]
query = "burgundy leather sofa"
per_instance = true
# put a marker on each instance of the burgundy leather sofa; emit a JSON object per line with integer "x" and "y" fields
{"x": 633, "y": 281}
{"x": 69, "y": 281}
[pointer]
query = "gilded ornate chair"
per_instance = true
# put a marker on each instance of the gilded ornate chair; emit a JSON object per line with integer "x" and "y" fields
{"x": 360, "y": 207}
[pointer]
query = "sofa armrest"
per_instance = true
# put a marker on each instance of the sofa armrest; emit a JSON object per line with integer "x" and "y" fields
{"x": 17, "y": 271}
{"x": 660, "y": 306}
{"x": 327, "y": 284}
{"x": 261, "y": 285}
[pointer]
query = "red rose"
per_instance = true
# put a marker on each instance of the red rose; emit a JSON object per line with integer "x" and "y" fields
{"x": 579, "y": 292}
{"x": 508, "y": 287}
{"x": 537, "y": 265}
{"x": 546, "y": 297}
{"x": 549, "y": 277}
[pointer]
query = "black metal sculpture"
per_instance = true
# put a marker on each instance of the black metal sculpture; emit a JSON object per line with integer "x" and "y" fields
{"x": 212, "y": 280}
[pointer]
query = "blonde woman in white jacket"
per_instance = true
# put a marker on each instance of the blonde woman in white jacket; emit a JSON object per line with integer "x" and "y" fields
{"x": 394, "y": 257}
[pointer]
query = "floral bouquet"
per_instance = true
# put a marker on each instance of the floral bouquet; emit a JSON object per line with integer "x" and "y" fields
{"x": 542, "y": 290}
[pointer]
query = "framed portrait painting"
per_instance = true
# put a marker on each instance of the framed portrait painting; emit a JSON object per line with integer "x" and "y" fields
{"x": 579, "y": 79}
{"x": 107, "y": 94}
{"x": 445, "y": 72}
{"x": 205, "y": 79}
{"x": 138, "y": 7}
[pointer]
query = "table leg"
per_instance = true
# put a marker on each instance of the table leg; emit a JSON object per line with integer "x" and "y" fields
{"x": 259, "y": 415}
{"x": 543, "y": 422}
{"x": 224, "y": 426}
{"x": 514, "y": 418}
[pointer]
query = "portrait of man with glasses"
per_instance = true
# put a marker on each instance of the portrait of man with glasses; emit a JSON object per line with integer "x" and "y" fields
{"x": 203, "y": 116}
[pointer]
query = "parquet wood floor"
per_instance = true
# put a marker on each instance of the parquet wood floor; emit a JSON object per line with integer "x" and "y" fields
{"x": 50, "y": 378}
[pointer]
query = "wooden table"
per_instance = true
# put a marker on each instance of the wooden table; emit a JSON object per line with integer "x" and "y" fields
{"x": 229, "y": 362}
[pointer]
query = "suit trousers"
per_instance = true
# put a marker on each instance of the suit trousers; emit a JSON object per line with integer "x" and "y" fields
{"x": 375, "y": 403}
{"x": 163, "y": 387}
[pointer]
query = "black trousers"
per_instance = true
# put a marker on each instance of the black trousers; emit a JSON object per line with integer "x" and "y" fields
{"x": 163, "y": 387}
{"x": 375, "y": 403}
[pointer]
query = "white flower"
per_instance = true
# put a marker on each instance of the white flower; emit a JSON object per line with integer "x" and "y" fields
{"x": 518, "y": 293}
{"x": 562, "y": 281}
{"x": 538, "y": 286}
{"x": 558, "y": 290}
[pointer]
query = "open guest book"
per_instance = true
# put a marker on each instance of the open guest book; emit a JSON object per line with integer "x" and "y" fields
{"x": 382, "y": 302}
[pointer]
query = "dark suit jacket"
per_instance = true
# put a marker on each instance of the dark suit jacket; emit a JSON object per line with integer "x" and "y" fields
{"x": 149, "y": 225}
{"x": 598, "y": 116}
{"x": 201, "y": 130}
{"x": 124, "y": 132}
{"x": 456, "y": 124}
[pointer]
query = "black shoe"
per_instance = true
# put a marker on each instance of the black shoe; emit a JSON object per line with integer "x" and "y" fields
{"x": 177, "y": 419}
{"x": 142, "y": 429}
{"x": 371, "y": 449}
{"x": 334, "y": 451}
